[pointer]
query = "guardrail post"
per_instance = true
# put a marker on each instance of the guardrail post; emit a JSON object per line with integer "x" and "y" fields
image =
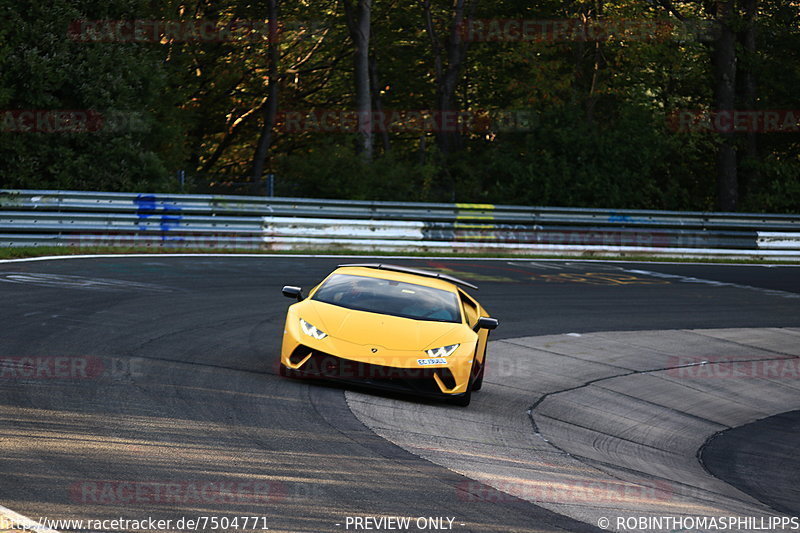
{"x": 270, "y": 182}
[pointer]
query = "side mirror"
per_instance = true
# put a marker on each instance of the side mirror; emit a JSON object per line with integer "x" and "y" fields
{"x": 292, "y": 292}
{"x": 485, "y": 322}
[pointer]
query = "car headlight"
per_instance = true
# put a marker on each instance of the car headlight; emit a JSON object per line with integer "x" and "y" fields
{"x": 311, "y": 330}
{"x": 444, "y": 351}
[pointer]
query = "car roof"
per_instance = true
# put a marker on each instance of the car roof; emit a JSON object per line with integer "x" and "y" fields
{"x": 401, "y": 273}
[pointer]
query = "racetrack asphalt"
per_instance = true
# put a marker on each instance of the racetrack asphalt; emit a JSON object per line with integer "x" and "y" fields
{"x": 760, "y": 459}
{"x": 181, "y": 390}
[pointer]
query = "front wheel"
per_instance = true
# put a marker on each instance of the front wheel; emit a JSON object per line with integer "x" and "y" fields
{"x": 478, "y": 383}
{"x": 464, "y": 399}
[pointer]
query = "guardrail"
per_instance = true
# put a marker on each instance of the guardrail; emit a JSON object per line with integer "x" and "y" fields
{"x": 81, "y": 219}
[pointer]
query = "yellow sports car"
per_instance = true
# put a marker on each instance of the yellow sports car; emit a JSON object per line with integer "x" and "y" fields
{"x": 391, "y": 327}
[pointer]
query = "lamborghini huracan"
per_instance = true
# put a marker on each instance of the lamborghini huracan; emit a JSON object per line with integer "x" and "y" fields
{"x": 390, "y": 327}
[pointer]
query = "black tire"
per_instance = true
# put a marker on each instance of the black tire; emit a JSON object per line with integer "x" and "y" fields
{"x": 476, "y": 373}
{"x": 462, "y": 400}
{"x": 478, "y": 383}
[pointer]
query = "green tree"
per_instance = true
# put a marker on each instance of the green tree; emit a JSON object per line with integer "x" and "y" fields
{"x": 133, "y": 139}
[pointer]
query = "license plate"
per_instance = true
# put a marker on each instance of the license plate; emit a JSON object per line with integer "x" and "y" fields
{"x": 434, "y": 361}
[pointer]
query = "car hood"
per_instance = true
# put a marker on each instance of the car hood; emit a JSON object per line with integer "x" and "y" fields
{"x": 373, "y": 329}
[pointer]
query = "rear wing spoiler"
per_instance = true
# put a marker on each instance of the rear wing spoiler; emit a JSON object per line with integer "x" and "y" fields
{"x": 417, "y": 271}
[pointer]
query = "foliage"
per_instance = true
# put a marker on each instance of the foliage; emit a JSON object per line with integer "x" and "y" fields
{"x": 132, "y": 143}
{"x": 601, "y": 135}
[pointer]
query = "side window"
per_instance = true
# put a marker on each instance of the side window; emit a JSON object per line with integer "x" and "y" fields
{"x": 470, "y": 309}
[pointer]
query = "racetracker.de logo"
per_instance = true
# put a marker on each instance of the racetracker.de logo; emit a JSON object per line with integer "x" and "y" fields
{"x": 735, "y": 121}
{"x": 583, "y": 30}
{"x": 166, "y": 31}
{"x": 22, "y": 368}
{"x": 728, "y": 368}
{"x": 50, "y": 121}
{"x": 72, "y": 121}
{"x": 176, "y": 492}
{"x": 68, "y": 368}
{"x": 407, "y": 121}
{"x": 570, "y": 490}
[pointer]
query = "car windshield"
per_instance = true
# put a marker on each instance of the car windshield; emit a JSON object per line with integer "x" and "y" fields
{"x": 389, "y": 297}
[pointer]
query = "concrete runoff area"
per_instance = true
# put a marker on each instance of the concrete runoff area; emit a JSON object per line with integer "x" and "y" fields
{"x": 605, "y": 425}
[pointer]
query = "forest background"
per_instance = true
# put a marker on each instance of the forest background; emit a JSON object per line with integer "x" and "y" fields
{"x": 652, "y": 104}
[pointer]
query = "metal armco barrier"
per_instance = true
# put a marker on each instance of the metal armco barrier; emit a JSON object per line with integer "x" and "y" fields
{"x": 91, "y": 219}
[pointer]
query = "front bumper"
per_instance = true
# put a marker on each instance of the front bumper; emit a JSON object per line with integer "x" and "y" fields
{"x": 438, "y": 381}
